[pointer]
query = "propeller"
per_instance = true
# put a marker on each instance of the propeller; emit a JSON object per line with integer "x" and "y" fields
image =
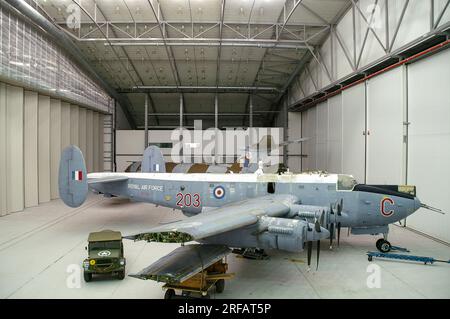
{"x": 318, "y": 229}
{"x": 340, "y": 206}
{"x": 338, "y": 232}
{"x": 318, "y": 254}
{"x": 331, "y": 234}
{"x": 309, "y": 253}
{"x": 317, "y": 226}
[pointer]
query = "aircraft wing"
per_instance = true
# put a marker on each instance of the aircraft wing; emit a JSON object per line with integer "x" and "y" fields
{"x": 219, "y": 220}
{"x": 183, "y": 263}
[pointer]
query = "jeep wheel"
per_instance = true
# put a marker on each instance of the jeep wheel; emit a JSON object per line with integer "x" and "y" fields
{"x": 170, "y": 293}
{"x": 121, "y": 275}
{"x": 87, "y": 276}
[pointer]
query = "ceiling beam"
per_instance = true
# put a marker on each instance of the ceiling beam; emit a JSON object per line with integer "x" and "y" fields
{"x": 200, "y": 89}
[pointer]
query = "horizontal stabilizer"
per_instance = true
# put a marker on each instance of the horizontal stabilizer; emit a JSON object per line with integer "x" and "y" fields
{"x": 183, "y": 263}
{"x": 107, "y": 179}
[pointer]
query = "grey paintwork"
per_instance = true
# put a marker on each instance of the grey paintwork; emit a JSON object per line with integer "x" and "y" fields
{"x": 274, "y": 211}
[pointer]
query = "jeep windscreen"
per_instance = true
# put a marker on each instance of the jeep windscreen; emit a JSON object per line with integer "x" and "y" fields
{"x": 99, "y": 245}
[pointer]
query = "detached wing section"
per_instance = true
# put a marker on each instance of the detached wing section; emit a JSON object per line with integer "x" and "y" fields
{"x": 220, "y": 220}
{"x": 183, "y": 263}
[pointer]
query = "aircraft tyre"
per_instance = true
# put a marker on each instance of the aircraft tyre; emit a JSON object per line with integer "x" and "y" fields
{"x": 170, "y": 293}
{"x": 385, "y": 246}
{"x": 220, "y": 286}
{"x": 121, "y": 275}
{"x": 378, "y": 243}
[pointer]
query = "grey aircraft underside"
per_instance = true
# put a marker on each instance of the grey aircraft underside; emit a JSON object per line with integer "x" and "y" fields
{"x": 257, "y": 211}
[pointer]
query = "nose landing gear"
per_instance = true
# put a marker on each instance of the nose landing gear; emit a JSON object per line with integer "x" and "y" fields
{"x": 383, "y": 245}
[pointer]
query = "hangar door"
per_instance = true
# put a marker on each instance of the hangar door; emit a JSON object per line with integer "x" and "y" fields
{"x": 429, "y": 142}
{"x": 385, "y": 148}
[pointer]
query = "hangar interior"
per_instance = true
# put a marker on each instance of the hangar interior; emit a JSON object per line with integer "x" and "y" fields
{"x": 364, "y": 82}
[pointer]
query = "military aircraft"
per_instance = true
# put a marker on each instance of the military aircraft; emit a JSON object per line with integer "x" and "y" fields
{"x": 249, "y": 211}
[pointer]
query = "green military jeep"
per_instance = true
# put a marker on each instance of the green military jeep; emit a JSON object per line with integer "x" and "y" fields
{"x": 105, "y": 255}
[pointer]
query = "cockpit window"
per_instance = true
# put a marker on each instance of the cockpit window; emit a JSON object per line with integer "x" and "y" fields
{"x": 345, "y": 183}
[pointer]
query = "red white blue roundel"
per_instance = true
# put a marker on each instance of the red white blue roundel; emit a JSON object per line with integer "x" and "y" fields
{"x": 219, "y": 192}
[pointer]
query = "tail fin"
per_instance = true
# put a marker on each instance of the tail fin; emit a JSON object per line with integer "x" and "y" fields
{"x": 153, "y": 160}
{"x": 72, "y": 179}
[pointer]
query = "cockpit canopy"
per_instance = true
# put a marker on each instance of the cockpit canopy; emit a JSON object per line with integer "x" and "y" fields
{"x": 346, "y": 182}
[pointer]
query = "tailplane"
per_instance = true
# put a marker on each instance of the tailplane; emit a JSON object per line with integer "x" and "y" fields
{"x": 153, "y": 160}
{"x": 72, "y": 178}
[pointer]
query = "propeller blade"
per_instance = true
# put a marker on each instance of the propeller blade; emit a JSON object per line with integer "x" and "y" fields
{"x": 340, "y": 207}
{"x": 322, "y": 218}
{"x": 309, "y": 253}
{"x": 318, "y": 254}
{"x": 331, "y": 209}
{"x": 317, "y": 226}
{"x": 331, "y": 234}
{"x": 338, "y": 232}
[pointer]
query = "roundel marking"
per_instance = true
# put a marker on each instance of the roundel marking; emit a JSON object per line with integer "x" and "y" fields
{"x": 219, "y": 192}
{"x": 384, "y": 212}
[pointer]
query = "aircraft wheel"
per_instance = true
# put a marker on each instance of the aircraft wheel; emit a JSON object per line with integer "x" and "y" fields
{"x": 121, "y": 275}
{"x": 378, "y": 243}
{"x": 220, "y": 285}
{"x": 170, "y": 293}
{"x": 370, "y": 258}
{"x": 87, "y": 276}
{"x": 385, "y": 246}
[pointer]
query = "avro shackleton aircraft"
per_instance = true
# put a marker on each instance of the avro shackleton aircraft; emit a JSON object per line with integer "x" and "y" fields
{"x": 248, "y": 211}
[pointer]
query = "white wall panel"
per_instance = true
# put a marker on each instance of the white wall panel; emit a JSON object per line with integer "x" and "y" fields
{"x": 74, "y": 125}
{"x": 372, "y": 48}
{"x": 55, "y": 145}
{"x": 385, "y": 124}
{"x": 95, "y": 167}
{"x": 294, "y": 149}
{"x": 3, "y": 186}
{"x": 334, "y": 153}
{"x": 65, "y": 125}
{"x": 82, "y": 130}
{"x": 100, "y": 143}
{"x": 322, "y": 136}
{"x": 14, "y": 149}
{"x": 44, "y": 148}
{"x": 31, "y": 178}
{"x": 89, "y": 140}
{"x": 353, "y": 126}
{"x": 429, "y": 142}
{"x": 309, "y": 123}
{"x": 439, "y": 5}
{"x": 89, "y": 154}
{"x": 415, "y": 22}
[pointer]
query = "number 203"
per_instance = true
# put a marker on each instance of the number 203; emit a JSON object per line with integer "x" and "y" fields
{"x": 188, "y": 200}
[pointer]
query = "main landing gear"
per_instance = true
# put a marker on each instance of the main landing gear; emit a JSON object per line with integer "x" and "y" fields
{"x": 383, "y": 245}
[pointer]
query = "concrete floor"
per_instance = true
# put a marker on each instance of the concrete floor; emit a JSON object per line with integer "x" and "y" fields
{"x": 38, "y": 247}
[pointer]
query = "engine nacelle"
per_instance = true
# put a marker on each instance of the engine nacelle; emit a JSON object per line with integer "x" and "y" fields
{"x": 282, "y": 233}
